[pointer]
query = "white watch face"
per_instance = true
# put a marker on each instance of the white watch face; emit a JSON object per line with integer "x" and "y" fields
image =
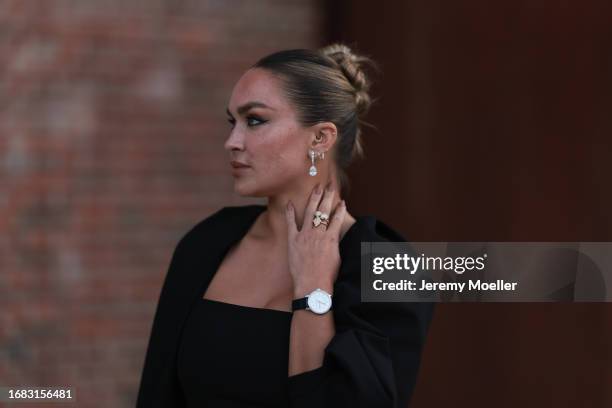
{"x": 319, "y": 301}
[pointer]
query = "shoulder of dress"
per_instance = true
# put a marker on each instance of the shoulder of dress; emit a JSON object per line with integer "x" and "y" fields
{"x": 372, "y": 229}
{"x": 387, "y": 233}
{"x": 222, "y": 220}
{"x": 366, "y": 228}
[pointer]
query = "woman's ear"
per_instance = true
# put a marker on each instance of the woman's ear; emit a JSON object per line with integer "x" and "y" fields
{"x": 324, "y": 136}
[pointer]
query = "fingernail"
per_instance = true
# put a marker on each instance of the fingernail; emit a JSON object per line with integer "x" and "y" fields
{"x": 343, "y": 203}
{"x": 329, "y": 187}
{"x": 289, "y": 204}
{"x": 318, "y": 188}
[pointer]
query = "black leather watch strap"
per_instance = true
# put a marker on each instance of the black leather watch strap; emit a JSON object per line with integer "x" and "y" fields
{"x": 299, "y": 304}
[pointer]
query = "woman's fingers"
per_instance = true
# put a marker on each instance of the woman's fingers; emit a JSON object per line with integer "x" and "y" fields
{"x": 327, "y": 200}
{"x": 335, "y": 223}
{"x": 290, "y": 215}
{"x": 312, "y": 206}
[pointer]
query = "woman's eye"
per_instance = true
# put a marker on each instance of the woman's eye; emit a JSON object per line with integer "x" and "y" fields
{"x": 254, "y": 121}
{"x": 251, "y": 121}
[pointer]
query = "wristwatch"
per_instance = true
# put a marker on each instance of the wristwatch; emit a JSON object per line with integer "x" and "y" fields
{"x": 318, "y": 301}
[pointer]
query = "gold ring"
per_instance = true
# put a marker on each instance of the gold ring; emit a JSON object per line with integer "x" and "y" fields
{"x": 322, "y": 215}
{"x": 320, "y": 218}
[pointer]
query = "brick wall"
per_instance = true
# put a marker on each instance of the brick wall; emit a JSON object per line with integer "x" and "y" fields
{"x": 112, "y": 126}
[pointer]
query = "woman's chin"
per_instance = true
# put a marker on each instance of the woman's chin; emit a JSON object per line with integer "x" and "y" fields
{"x": 244, "y": 190}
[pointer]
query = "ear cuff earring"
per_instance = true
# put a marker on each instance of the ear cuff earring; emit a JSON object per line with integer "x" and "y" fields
{"x": 313, "y": 169}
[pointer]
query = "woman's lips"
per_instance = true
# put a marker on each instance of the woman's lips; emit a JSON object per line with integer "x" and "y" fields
{"x": 238, "y": 168}
{"x": 238, "y": 165}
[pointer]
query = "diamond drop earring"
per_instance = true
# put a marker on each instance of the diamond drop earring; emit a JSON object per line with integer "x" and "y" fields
{"x": 313, "y": 169}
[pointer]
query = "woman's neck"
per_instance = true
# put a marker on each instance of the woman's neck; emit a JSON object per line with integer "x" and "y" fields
{"x": 273, "y": 222}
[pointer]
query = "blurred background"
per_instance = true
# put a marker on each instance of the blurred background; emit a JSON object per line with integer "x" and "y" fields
{"x": 493, "y": 124}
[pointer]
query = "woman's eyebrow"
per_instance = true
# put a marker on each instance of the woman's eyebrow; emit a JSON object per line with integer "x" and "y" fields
{"x": 249, "y": 105}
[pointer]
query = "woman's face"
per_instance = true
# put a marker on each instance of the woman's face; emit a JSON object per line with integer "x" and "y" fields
{"x": 266, "y": 137}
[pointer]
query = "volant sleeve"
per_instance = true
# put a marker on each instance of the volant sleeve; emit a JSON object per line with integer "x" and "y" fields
{"x": 373, "y": 359}
{"x": 159, "y": 383}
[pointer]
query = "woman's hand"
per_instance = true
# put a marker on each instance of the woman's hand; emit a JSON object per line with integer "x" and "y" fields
{"x": 314, "y": 254}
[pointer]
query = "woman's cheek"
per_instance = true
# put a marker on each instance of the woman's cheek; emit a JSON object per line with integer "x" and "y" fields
{"x": 293, "y": 164}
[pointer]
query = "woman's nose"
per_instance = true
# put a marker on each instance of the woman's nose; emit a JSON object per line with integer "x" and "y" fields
{"x": 235, "y": 141}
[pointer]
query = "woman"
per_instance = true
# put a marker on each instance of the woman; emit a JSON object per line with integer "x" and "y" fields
{"x": 261, "y": 304}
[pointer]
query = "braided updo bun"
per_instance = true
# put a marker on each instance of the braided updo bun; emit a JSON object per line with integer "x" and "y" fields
{"x": 327, "y": 85}
{"x": 351, "y": 66}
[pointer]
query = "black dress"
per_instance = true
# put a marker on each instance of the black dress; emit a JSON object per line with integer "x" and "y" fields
{"x": 248, "y": 348}
{"x": 205, "y": 353}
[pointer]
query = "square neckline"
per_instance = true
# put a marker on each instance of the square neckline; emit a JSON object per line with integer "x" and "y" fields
{"x": 235, "y": 242}
{"x": 244, "y": 307}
